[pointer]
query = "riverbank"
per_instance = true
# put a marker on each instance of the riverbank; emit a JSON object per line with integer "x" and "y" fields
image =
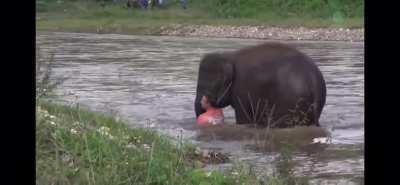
{"x": 266, "y": 32}
{"x": 77, "y": 146}
{"x": 204, "y": 19}
{"x": 222, "y": 31}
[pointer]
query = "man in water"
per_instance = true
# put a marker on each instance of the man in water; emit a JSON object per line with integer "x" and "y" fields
{"x": 212, "y": 115}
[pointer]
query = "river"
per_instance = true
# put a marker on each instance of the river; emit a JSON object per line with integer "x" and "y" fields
{"x": 150, "y": 81}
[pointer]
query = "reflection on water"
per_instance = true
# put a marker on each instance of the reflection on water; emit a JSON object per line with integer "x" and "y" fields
{"x": 151, "y": 81}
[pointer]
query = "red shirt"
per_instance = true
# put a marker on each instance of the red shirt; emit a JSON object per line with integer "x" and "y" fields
{"x": 211, "y": 116}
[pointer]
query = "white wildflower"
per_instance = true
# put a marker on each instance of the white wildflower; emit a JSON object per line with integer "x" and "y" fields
{"x": 208, "y": 174}
{"x": 52, "y": 123}
{"x": 131, "y": 146}
{"x": 103, "y": 130}
{"x": 235, "y": 173}
{"x": 125, "y": 137}
{"x": 73, "y": 131}
{"x": 137, "y": 139}
{"x": 197, "y": 151}
{"x": 146, "y": 146}
{"x": 76, "y": 169}
{"x": 43, "y": 112}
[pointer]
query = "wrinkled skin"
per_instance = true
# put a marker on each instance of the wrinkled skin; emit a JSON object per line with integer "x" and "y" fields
{"x": 269, "y": 84}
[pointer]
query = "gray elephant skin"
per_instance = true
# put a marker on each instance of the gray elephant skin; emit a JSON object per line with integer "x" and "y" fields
{"x": 271, "y": 84}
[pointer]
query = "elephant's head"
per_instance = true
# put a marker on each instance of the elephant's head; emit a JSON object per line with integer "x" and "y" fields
{"x": 215, "y": 79}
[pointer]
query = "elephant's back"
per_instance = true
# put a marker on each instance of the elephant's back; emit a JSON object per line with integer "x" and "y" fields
{"x": 269, "y": 51}
{"x": 277, "y": 67}
{"x": 270, "y": 57}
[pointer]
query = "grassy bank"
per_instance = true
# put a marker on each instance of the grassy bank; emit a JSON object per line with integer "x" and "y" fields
{"x": 93, "y": 16}
{"x": 76, "y": 146}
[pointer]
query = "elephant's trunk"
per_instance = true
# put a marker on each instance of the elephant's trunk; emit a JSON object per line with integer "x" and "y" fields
{"x": 197, "y": 106}
{"x": 224, "y": 94}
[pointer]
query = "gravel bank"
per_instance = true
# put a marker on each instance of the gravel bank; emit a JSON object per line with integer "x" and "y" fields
{"x": 265, "y": 32}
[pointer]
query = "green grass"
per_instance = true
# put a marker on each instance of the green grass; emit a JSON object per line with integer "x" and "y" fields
{"x": 335, "y": 9}
{"x": 76, "y": 146}
{"x": 89, "y": 16}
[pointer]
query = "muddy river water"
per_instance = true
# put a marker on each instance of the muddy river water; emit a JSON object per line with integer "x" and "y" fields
{"x": 150, "y": 81}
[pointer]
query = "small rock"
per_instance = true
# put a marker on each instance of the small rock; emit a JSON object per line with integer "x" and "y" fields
{"x": 205, "y": 154}
{"x": 322, "y": 140}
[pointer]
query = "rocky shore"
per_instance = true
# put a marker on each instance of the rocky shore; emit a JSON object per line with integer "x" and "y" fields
{"x": 266, "y": 32}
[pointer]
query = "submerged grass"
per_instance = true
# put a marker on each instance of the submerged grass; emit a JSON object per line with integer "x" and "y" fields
{"x": 266, "y": 140}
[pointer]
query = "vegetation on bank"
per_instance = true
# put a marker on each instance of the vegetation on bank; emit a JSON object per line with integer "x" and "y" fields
{"x": 76, "y": 146}
{"x": 95, "y": 15}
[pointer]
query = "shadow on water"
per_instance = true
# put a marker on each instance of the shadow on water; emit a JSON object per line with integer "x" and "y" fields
{"x": 151, "y": 82}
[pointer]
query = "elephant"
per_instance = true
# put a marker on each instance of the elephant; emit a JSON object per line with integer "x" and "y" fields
{"x": 270, "y": 84}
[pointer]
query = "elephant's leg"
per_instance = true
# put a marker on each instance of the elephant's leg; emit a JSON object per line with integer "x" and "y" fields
{"x": 317, "y": 114}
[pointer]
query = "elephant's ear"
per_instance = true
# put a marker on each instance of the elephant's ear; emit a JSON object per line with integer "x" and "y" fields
{"x": 219, "y": 62}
